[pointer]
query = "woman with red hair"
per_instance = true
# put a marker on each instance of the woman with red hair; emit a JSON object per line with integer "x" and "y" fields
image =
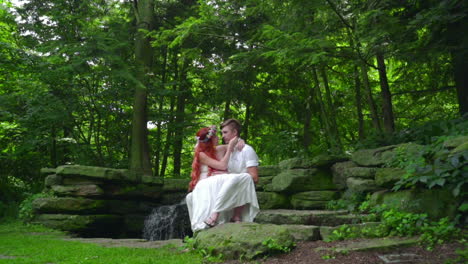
{"x": 216, "y": 196}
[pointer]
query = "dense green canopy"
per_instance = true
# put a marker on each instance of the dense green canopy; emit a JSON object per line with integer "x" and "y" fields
{"x": 81, "y": 80}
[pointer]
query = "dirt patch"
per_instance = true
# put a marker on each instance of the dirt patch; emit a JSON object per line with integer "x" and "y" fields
{"x": 305, "y": 253}
{"x": 130, "y": 243}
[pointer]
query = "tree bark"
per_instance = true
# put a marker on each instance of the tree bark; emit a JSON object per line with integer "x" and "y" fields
{"x": 180, "y": 117}
{"x": 171, "y": 125}
{"x": 158, "y": 150}
{"x": 139, "y": 152}
{"x": 307, "y": 135}
{"x": 387, "y": 108}
{"x": 370, "y": 99}
{"x": 323, "y": 113}
{"x": 357, "y": 94}
{"x": 460, "y": 67}
{"x": 331, "y": 116}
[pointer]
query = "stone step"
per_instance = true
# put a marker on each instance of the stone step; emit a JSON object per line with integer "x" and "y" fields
{"x": 327, "y": 231}
{"x": 308, "y": 217}
{"x": 370, "y": 244}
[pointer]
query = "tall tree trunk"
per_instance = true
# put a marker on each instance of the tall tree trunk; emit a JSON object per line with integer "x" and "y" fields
{"x": 53, "y": 151}
{"x": 171, "y": 125}
{"x": 307, "y": 135}
{"x": 370, "y": 99}
{"x": 335, "y": 137}
{"x": 158, "y": 150}
{"x": 169, "y": 135}
{"x": 227, "y": 109}
{"x": 460, "y": 67}
{"x": 357, "y": 94}
{"x": 387, "y": 108}
{"x": 245, "y": 128}
{"x": 180, "y": 117}
{"x": 323, "y": 113}
{"x": 139, "y": 152}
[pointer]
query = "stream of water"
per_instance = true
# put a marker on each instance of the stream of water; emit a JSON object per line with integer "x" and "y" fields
{"x": 167, "y": 222}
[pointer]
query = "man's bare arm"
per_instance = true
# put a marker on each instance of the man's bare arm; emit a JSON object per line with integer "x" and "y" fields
{"x": 253, "y": 171}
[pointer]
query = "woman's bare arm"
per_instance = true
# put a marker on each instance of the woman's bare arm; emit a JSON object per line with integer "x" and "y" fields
{"x": 221, "y": 164}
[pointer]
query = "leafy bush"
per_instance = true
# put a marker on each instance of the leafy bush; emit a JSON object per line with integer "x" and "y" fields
{"x": 26, "y": 212}
{"x": 424, "y": 134}
{"x": 432, "y": 166}
{"x": 397, "y": 223}
{"x": 349, "y": 202}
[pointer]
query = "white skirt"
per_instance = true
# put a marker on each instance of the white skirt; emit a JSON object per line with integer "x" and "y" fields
{"x": 222, "y": 193}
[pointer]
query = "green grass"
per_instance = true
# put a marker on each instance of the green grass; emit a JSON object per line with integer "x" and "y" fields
{"x": 37, "y": 244}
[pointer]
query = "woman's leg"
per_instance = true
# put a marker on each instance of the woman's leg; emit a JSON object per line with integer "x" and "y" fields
{"x": 237, "y": 216}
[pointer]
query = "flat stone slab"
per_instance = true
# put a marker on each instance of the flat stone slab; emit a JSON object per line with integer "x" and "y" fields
{"x": 304, "y": 232}
{"x": 296, "y": 217}
{"x": 129, "y": 243}
{"x": 373, "y": 244}
{"x": 400, "y": 258}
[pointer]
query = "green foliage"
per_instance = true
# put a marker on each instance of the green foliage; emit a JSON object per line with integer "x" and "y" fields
{"x": 397, "y": 223}
{"x": 432, "y": 166}
{"x": 209, "y": 255}
{"x": 349, "y": 202}
{"x": 26, "y": 211}
{"x": 275, "y": 247}
{"x": 462, "y": 255}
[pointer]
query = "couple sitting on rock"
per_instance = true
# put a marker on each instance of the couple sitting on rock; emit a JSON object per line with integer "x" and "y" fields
{"x": 223, "y": 176}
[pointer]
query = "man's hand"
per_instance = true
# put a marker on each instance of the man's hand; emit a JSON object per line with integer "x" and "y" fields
{"x": 253, "y": 171}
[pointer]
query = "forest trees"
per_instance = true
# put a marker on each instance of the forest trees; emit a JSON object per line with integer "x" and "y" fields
{"x": 126, "y": 84}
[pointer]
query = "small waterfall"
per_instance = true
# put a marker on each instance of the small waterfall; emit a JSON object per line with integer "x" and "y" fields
{"x": 167, "y": 222}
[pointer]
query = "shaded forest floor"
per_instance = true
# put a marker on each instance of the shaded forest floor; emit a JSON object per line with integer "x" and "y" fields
{"x": 305, "y": 252}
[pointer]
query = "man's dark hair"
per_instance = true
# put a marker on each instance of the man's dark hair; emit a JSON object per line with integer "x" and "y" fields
{"x": 234, "y": 124}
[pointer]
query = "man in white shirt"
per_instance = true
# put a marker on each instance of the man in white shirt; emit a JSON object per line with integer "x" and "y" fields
{"x": 242, "y": 161}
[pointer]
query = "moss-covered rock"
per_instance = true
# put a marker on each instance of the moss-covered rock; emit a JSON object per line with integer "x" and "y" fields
{"x": 90, "y": 190}
{"x": 78, "y": 180}
{"x": 175, "y": 185}
{"x": 271, "y": 200}
{"x": 463, "y": 147}
{"x": 169, "y": 198}
{"x": 360, "y": 172}
{"x": 68, "y": 205}
{"x": 52, "y": 179}
{"x": 304, "y": 232}
{"x": 301, "y": 180}
{"x": 321, "y": 160}
{"x": 133, "y": 191}
{"x": 47, "y": 171}
{"x": 296, "y": 217}
{"x": 269, "y": 170}
{"x": 436, "y": 203}
{"x": 357, "y": 185}
{"x": 455, "y": 142}
{"x": 339, "y": 175}
{"x": 262, "y": 182}
{"x": 244, "y": 240}
{"x": 97, "y": 172}
{"x": 373, "y": 157}
{"x": 87, "y": 225}
{"x": 387, "y": 177}
{"x": 313, "y": 199}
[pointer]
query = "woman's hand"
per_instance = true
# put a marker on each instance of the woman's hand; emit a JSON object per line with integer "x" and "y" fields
{"x": 232, "y": 143}
{"x": 240, "y": 144}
